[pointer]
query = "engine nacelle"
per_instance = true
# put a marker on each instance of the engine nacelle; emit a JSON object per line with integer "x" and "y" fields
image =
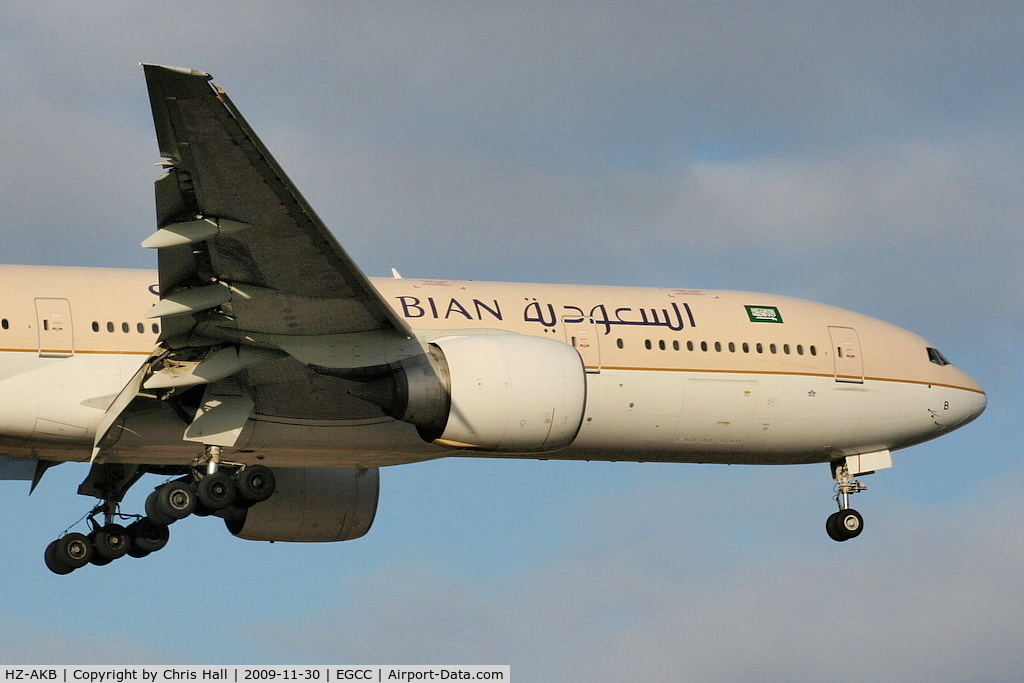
{"x": 501, "y": 392}
{"x": 312, "y": 505}
{"x": 512, "y": 393}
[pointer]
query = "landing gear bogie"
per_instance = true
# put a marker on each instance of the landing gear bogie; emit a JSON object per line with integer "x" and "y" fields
{"x": 104, "y": 544}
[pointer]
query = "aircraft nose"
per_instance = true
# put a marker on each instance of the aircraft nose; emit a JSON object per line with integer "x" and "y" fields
{"x": 974, "y": 401}
{"x": 978, "y": 406}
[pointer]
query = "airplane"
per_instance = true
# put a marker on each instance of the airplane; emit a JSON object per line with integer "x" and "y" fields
{"x": 266, "y": 379}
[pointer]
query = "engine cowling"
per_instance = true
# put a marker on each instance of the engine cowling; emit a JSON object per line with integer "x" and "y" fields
{"x": 502, "y": 392}
{"x": 312, "y": 505}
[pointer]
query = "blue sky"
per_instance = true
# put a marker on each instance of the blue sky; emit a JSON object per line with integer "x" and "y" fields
{"x": 862, "y": 154}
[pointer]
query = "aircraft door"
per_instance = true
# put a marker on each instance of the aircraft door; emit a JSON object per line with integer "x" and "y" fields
{"x": 849, "y": 364}
{"x": 53, "y": 322}
{"x": 582, "y": 334}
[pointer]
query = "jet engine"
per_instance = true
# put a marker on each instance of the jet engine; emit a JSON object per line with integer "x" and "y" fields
{"x": 500, "y": 392}
{"x": 311, "y": 505}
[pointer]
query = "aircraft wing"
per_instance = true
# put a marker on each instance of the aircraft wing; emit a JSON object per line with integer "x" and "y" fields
{"x": 256, "y": 295}
{"x": 230, "y": 217}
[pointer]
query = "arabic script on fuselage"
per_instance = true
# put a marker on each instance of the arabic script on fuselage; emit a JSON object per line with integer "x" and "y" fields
{"x": 676, "y": 317}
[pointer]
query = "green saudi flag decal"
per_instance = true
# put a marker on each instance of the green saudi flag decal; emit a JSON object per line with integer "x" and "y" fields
{"x": 763, "y": 314}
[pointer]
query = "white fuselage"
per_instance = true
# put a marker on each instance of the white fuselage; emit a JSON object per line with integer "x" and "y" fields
{"x": 672, "y": 375}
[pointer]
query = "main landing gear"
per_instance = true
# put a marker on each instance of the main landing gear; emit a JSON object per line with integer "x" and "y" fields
{"x": 847, "y": 523}
{"x": 220, "y": 490}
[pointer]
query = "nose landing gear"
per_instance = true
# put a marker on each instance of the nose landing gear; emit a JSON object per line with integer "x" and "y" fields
{"x": 847, "y": 523}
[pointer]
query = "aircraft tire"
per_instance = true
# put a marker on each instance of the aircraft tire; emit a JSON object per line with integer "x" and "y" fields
{"x": 844, "y": 525}
{"x": 97, "y": 559}
{"x": 51, "y": 560}
{"x": 111, "y": 542}
{"x": 153, "y": 514}
{"x": 73, "y": 550}
{"x": 850, "y": 523}
{"x": 147, "y": 536}
{"x": 832, "y": 528}
{"x": 255, "y": 484}
{"x": 202, "y": 511}
{"x": 173, "y": 501}
{"x": 216, "y": 491}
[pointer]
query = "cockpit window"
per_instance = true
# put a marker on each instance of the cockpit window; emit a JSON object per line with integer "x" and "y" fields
{"x": 935, "y": 356}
